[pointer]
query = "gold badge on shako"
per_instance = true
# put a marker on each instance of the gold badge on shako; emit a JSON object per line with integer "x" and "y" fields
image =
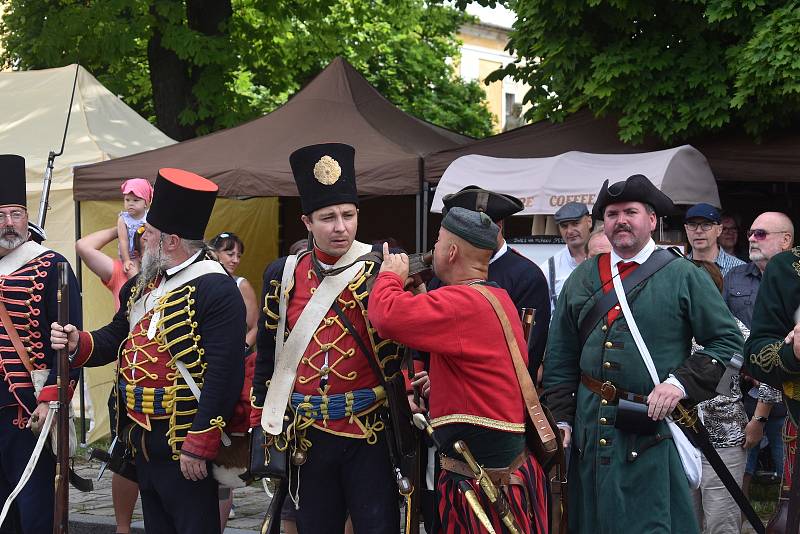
{"x": 327, "y": 170}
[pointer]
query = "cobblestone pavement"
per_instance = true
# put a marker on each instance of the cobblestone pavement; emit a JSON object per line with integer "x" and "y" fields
{"x": 251, "y": 503}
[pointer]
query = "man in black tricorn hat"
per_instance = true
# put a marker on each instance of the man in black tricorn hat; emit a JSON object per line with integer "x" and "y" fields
{"x": 181, "y": 331}
{"x": 28, "y": 303}
{"x": 322, "y": 365}
{"x": 628, "y": 477}
{"x": 520, "y": 277}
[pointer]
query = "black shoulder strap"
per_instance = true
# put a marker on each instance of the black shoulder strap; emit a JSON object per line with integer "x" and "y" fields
{"x": 658, "y": 259}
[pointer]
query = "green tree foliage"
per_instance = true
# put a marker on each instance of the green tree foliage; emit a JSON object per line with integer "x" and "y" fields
{"x": 194, "y": 66}
{"x": 672, "y": 68}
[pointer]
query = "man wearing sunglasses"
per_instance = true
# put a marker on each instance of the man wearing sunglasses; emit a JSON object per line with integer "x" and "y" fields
{"x": 703, "y": 228}
{"x": 770, "y": 234}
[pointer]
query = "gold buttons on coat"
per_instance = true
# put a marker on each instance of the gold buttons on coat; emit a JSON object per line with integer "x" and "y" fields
{"x": 603, "y": 442}
{"x": 604, "y": 328}
{"x": 603, "y": 402}
{"x": 607, "y": 365}
{"x": 603, "y": 421}
{"x": 609, "y": 344}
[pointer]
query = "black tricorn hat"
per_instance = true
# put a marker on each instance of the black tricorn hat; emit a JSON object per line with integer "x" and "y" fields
{"x": 12, "y": 181}
{"x": 636, "y": 188}
{"x": 496, "y": 205}
{"x": 182, "y": 203}
{"x": 325, "y": 175}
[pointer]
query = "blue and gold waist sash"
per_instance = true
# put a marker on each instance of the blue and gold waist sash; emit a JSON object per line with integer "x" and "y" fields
{"x": 337, "y": 406}
{"x": 145, "y": 400}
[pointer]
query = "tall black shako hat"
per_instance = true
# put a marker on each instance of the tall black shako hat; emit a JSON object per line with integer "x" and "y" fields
{"x": 182, "y": 203}
{"x": 12, "y": 181}
{"x": 325, "y": 175}
{"x": 496, "y": 205}
{"x": 636, "y": 188}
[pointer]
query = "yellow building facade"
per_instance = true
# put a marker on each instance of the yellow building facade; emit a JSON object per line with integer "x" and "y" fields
{"x": 482, "y": 52}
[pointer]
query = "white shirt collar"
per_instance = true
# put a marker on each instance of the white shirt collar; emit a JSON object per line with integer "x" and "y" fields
{"x": 502, "y": 250}
{"x": 640, "y": 258}
{"x": 177, "y": 268}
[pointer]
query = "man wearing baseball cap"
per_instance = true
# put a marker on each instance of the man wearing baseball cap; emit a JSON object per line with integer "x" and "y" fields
{"x": 703, "y": 225}
{"x": 574, "y": 225}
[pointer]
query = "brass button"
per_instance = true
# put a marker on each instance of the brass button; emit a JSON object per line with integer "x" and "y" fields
{"x": 603, "y": 402}
{"x": 607, "y": 365}
{"x": 609, "y": 344}
{"x": 603, "y": 442}
{"x": 634, "y": 455}
{"x": 603, "y": 421}
{"x": 604, "y": 328}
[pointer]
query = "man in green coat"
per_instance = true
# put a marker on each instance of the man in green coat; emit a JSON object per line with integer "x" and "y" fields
{"x": 632, "y": 480}
{"x": 770, "y": 355}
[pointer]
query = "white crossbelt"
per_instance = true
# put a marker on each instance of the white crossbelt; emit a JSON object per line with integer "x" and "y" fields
{"x": 289, "y": 354}
{"x": 34, "y": 459}
{"x": 691, "y": 459}
{"x": 21, "y": 255}
{"x": 187, "y": 377}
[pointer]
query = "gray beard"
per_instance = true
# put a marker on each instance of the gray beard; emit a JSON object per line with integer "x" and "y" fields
{"x": 153, "y": 264}
{"x": 11, "y": 241}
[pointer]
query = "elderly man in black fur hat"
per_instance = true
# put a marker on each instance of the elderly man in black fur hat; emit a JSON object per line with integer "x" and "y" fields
{"x": 28, "y": 303}
{"x": 179, "y": 330}
{"x": 626, "y": 474}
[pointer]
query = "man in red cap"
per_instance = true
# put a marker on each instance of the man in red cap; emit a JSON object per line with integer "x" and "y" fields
{"x": 321, "y": 365}
{"x": 179, "y": 332}
{"x": 28, "y": 304}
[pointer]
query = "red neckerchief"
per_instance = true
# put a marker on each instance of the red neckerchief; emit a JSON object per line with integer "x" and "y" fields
{"x": 625, "y": 268}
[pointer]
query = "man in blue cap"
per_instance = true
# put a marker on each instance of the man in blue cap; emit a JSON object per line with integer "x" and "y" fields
{"x": 703, "y": 225}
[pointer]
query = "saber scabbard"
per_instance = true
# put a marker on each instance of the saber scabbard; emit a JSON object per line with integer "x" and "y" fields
{"x": 495, "y": 496}
{"x": 472, "y": 499}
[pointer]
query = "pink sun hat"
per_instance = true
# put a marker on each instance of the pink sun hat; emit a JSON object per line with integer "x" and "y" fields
{"x": 139, "y": 187}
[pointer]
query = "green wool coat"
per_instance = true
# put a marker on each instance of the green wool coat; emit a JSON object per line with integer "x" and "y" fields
{"x": 768, "y": 358}
{"x": 621, "y": 482}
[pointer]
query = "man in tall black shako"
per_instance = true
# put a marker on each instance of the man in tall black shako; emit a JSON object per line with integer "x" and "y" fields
{"x": 520, "y": 277}
{"x": 178, "y": 333}
{"x": 325, "y": 363}
{"x": 28, "y": 304}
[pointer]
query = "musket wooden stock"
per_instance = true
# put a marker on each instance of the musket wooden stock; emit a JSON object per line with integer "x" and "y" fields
{"x": 61, "y": 505}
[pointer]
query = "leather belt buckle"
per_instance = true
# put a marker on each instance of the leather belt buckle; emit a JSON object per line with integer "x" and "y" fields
{"x": 608, "y": 391}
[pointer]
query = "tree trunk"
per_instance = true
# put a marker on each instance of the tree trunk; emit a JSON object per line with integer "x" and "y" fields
{"x": 173, "y": 78}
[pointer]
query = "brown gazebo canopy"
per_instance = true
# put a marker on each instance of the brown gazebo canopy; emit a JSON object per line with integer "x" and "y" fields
{"x": 339, "y": 105}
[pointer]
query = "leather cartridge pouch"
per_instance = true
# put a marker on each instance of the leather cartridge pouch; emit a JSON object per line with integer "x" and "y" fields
{"x": 632, "y": 417}
{"x": 269, "y": 455}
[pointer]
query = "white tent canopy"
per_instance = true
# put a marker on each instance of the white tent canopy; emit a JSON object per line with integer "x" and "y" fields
{"x": 546, "y": 184}
{"x": 33, "y": 111}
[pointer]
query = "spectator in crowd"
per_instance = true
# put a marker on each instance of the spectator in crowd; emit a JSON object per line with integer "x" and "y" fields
{"x": 298, "y": 246}
{"x": 574, "y": 225}
{"x": 598, "y": 243}
{"x": 124, "y": 489}
{"x": 729, "y": 240}
{"x": 725, "y": 419}
{"x": 229, "y": 249}
{"x": 770, "y": 234}
{"x": 703, "y": 228}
